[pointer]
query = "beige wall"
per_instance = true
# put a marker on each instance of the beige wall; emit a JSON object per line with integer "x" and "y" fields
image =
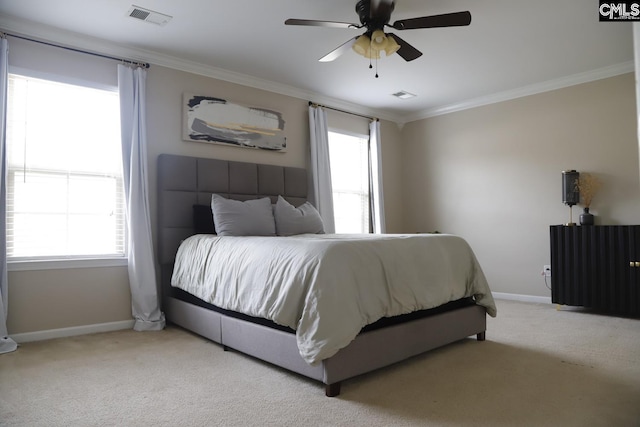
{"x": 52, "y": 299}
{"x": 490, "y": 174}
{"x": 164, "y": 107}
{"x": 165, "y": 88}
{"x": 493, "y": 174}
{"x": 392, "y": 176}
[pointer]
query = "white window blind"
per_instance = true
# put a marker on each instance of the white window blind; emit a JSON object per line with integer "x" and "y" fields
{"x": 349, "y": 157}
{"x": 64, "y": 189}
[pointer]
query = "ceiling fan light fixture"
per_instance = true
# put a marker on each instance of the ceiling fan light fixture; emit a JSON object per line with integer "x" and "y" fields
{"x": 378, "y": 40}
{"x": 373, "y": 54}
{"x": 362, "y": 46}
{"x": 371, "y": 47}
{"x": 392, "y": 46}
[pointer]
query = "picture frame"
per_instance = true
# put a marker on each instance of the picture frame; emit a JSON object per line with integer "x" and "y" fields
{"x": 215, "y": 120}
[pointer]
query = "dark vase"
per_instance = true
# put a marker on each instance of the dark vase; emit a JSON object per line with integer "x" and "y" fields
{"x": 586, "y": 218}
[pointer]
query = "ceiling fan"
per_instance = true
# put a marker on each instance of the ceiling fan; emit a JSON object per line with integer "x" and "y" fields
{"x": 375, "y": 16}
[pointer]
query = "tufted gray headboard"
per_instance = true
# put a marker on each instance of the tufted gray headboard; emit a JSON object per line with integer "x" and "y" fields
{"x": 187, "y": 181}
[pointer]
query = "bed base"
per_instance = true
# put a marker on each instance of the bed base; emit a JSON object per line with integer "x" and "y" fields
{"x": 369, "y": 351}
{"x": 184, "y": 181}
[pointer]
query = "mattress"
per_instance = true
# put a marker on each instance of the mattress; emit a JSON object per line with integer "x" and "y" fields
{"x": 328, "y": 287}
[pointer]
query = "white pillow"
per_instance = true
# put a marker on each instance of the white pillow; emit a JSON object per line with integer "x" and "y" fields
{"x": 237, "y": 218}
{"x": 301, "y": 220}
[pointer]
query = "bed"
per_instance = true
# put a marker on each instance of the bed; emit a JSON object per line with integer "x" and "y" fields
{"x": 185, "y": 189}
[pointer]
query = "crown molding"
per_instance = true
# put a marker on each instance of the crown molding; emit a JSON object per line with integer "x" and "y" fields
{"x": 92, "y": 44}
{"x": 563, "y": 82}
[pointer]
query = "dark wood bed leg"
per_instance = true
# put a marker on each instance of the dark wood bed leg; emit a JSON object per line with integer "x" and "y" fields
{"x": 482, "y": 336}
{"x": 332, "y": 390}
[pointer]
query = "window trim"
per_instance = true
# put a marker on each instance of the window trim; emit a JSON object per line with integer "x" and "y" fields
{"x": 349, "y": 133}
{"x": 42, "y": 75}
{"x": 72, "y": 261}
{"x": 367, "y": 138}
{"x": 32, "y": 264}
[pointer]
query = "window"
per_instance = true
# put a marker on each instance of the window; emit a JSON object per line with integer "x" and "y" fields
{"x": 349, "y": 157}
{"x": 64, "y": 186}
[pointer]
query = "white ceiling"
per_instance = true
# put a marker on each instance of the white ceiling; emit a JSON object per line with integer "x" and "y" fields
{"x": 511, "y": 48}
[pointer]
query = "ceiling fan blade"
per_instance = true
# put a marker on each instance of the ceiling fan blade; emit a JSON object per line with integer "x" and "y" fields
{"x": 314, "y": 23}
{"x": 406, "y": 51}
{"x": 455, "y": 19}
{"x": 335, "y": 53}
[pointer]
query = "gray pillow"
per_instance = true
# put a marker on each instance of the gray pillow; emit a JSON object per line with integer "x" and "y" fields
{"x": 301, "y": 220}
{"x": 237, "y": 218}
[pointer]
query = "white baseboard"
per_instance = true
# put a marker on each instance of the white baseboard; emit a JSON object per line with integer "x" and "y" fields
{"x": 73, "y": 331}
{"x": 522, "y": 298}
{"x": 128, "y": 324}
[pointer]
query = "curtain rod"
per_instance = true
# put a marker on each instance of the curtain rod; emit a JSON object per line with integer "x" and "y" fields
{"x": 127, "y": 61}
{"x": 343, "y": 111}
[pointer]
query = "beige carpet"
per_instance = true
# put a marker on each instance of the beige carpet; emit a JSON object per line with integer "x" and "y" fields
{"x": 538, "y": 367}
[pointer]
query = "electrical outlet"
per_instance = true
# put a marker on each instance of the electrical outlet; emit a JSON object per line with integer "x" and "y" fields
{"x": 546, "y": 270}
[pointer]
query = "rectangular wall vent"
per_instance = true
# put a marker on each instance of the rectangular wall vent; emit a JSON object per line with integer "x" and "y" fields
{"x": 149, "y": 16}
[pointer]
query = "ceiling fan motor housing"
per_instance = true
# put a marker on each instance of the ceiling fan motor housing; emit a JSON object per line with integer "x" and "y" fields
{"x": 372, "y": 23}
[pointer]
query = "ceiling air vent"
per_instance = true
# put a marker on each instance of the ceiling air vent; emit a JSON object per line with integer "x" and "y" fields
{"x": 149, "y": 16}
{"x": 403, "y": 94}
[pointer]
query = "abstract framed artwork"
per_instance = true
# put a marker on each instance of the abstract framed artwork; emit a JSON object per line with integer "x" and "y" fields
{"x": 218, "y": 121}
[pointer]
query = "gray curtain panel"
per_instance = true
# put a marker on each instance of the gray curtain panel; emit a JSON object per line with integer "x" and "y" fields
{"x": 6, "y": 344}
{"x": 375, "y": 178}
{"x": 321, "y": 192}
{"x": 145, "y": 301}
